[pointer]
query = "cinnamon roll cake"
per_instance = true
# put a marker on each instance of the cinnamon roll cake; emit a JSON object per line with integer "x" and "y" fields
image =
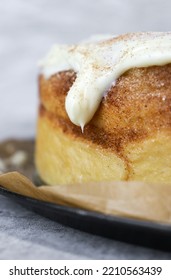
{"x": 105, "y": 111}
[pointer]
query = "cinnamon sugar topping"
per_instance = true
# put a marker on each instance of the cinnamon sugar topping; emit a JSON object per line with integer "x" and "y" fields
{"x": 99, "y": 64}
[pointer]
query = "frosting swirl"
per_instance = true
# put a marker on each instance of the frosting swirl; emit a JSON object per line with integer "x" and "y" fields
{"x": 99, "y": 64}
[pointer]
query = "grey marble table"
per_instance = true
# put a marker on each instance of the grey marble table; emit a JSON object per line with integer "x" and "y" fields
{"x": 26, "y": 235}
{"x": 27, "y": 30}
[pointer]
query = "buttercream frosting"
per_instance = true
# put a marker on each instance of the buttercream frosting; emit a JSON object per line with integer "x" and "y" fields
{"x": 98, "y": 64}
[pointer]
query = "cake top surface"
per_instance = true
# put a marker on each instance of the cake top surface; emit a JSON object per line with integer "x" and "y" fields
{"x": 99, "y": 63}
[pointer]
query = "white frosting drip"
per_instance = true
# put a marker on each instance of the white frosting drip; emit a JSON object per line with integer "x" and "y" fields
{"x": 99, "y": 64}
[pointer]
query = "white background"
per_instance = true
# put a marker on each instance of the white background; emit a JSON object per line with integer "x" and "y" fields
{"x": 95, "y": 265}
{"x": 29, "y": 28}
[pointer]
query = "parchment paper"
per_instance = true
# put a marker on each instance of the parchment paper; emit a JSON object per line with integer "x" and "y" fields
{"x": 138, "y": 200}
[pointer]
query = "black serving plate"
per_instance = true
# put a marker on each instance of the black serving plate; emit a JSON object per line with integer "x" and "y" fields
{"x": 133, "y": 231}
